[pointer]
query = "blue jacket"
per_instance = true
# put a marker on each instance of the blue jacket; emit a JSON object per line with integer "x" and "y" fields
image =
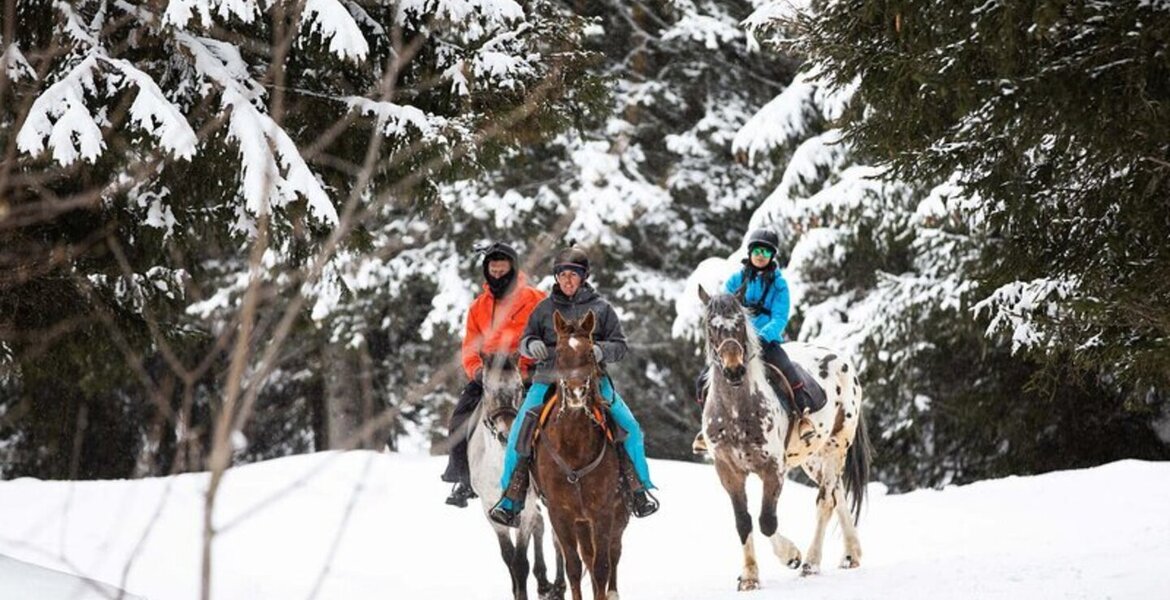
{"x": 768, "y": 299}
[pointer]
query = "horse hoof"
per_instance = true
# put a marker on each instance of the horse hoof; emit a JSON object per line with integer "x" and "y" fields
{"x": 850, "y": 563}
{"x": 809, "y": 569}
{"x": 747, "y": 585}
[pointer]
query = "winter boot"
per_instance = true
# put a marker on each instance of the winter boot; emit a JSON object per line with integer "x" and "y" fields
{"x": 460, "y": 494}
{"x": 506, "y": 512}
{"x": 643, "y": 503}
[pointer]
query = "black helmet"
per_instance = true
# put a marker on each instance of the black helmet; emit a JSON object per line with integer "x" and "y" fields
{"x": 571, "y": 258}
{"x": 497, "y": 251}
{"x": 764, "y": 237}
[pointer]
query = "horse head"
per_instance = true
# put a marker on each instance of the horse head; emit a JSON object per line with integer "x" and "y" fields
{"x": 730, "y": 344}
{"x": 577, "y": 368}
{"x": 503, "y": 389}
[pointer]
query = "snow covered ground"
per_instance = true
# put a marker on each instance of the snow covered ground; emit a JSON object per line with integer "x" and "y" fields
{"x": 363, "y": 525}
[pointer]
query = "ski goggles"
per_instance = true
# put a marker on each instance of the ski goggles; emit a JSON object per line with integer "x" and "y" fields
{"x": 764, "y": 251}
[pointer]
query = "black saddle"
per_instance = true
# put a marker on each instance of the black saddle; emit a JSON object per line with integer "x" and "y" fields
{"x": 813, "y": 400}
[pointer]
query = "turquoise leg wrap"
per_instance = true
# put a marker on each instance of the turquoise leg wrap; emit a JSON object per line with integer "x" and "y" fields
{"x": 635, "y": 441}
{"x": 534, "y": 399}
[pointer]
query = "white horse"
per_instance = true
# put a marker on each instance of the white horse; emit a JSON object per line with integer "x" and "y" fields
{"x": 749, "y": 432}
{"x": 503, "y": 393}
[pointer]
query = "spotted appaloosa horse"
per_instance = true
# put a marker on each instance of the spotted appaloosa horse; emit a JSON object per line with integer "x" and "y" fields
{"x": 503, "y": 391}
{"x": 748, "y": 432}
{"x": 577, "y": 467}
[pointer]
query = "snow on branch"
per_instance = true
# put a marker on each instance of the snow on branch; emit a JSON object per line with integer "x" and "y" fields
{"x": 179, "y": 12}
{"x": 1016, "y": 307}
{"x": 151, "y": 107}
{"x": 266, "y": 148}
{"x": 333, "y": 21}
{"x": 394, "y": 118}
{"x": 15, "y": 65}
{"x": 60, "y": 115}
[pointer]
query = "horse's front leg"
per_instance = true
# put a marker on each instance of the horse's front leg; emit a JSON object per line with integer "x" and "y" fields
{"x": 600, "y": 567}
{"x": 539, "y": 569}
{"x": 733, "y": 482}
{"x": 519, "y": 564}
{"x": 567, "y": 544}
{"x": 785, "y": 550}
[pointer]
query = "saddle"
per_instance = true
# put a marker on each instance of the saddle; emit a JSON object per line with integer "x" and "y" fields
{"x": 816, "y": 398}
{"x": 602, "y": 418}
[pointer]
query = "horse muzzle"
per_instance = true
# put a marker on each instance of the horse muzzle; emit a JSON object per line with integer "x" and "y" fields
{"x": 735, "y": 375}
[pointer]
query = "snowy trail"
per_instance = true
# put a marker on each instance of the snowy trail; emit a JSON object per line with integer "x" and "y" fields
{"x": 1094, "y": 533}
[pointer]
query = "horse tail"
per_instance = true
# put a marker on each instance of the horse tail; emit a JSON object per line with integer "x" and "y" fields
{"x": 857, "y": 463}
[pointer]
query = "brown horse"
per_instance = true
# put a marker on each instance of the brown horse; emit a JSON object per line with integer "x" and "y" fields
{"x": 577, "y": 467}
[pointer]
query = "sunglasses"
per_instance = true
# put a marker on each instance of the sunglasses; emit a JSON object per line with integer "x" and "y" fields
{"x": 762, "y": 251}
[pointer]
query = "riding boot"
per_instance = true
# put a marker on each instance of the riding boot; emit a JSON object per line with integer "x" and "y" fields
{"x": 800, "y": 399}
{"x": 461, "y": 492}
{"x": 699, "y": 446}
{"x": 507, "y": 511}
{"x": 643, "y": 503}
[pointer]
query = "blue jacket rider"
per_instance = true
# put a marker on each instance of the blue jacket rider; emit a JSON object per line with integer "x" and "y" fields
{"x": 573, "y": 297}
{"x": 763, "y": 291}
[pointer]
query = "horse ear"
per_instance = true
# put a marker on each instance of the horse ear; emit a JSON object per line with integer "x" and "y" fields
{"x": 559, "y": 324}
{"x": 588, "y": 323}
{"x": 703, "y": 295}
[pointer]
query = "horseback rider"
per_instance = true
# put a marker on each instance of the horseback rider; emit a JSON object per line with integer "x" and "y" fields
{"x": 763, "y": 291}
{"x": 494, "y": 324}
{"x": 573, "y": 297}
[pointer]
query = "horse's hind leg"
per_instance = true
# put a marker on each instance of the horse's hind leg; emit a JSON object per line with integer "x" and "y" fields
{"x": 733, "y": 482}
{"x": 785, "y": 550}
{"x": 852, "y": 558}
{"x": 828, "y": 497}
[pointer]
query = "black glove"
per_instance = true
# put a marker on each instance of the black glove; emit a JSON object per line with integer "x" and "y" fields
{"x": 537, "y": 349}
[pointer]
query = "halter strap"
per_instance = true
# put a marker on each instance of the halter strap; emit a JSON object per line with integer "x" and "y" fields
{"x": 746, "y": 356}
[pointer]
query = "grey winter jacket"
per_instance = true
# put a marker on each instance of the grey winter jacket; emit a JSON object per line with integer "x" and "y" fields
{"x": 607, "y": 332}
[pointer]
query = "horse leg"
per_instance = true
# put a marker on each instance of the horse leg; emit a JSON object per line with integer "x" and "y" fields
{"x": 601, "y": 559}
{"x": 567, "y": 542}
{"x": 828, "y": 497}
{"x": 615, "y": 554}
{"x": 507, "y": 551}
{"x": 539, "y": 570}
{"x": 520, "y": 565}
{"x": 852, "y": 557}
{"x": 733, "y": 482}
{"x": 785, "y": 550}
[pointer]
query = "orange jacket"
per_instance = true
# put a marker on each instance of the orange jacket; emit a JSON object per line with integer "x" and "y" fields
{"x": 496, "y": 327}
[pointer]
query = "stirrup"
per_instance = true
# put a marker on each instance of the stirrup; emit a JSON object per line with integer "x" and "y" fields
{"x": 645, "y": 504}
{"x": 506, "y": 516}
{"x": 805, "y": 428}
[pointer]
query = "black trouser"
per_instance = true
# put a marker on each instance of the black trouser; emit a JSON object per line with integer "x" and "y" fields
{"x": 458, "y": 429}
{"x": 774, "y": 355}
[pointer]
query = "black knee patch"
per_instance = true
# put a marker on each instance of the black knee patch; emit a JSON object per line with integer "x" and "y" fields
{"x": 527, "y": 432}
{"x": 743, "y": 525}
{"x": 768, "y": 524}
